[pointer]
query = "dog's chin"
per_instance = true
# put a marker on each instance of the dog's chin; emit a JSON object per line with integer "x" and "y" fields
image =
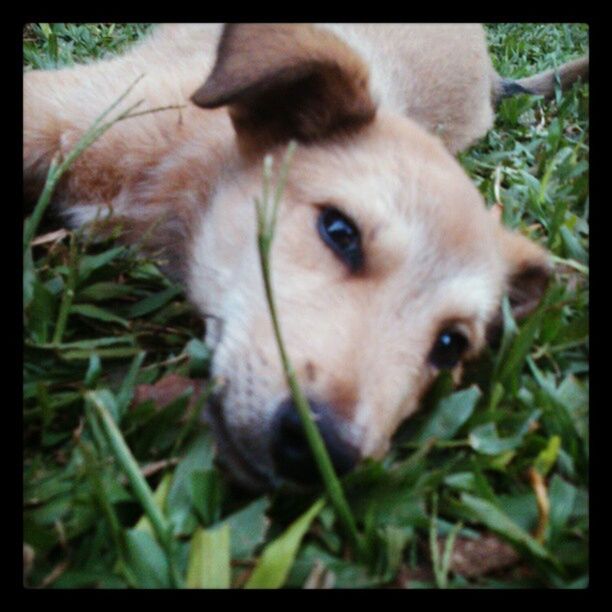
{"x": 240, "y": 469}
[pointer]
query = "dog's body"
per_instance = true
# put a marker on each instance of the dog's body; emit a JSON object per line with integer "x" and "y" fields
{"x": 378, "y": 111}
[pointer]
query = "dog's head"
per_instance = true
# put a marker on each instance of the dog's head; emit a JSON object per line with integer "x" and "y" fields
{"x": 386, "y": 265}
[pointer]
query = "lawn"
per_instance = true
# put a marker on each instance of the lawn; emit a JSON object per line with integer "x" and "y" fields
{"x": 486, "y": 487}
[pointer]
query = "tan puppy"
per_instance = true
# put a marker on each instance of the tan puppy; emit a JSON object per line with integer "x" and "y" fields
{"x": 387, "y": 266}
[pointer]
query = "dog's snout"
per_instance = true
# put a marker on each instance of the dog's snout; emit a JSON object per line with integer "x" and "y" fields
{"x": 290, "y": 449}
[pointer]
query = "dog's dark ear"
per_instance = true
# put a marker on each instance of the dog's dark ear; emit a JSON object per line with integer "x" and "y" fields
{"x": 528, "y": 273}
{"x": 529, "y": 270}
{"x": 285, "y": 81}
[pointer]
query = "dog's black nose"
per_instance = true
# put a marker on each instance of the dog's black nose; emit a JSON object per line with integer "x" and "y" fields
{"x": 290, "y": 450}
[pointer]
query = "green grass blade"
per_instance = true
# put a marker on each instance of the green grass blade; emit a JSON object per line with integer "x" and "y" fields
{"x": 265, "y": 234}
{"x": 277, "y": 558}
{"x": 209, "y": 559}
{"x": 139, "y": 484}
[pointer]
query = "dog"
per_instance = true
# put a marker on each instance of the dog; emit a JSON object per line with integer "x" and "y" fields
{"x": 387, "y": 266}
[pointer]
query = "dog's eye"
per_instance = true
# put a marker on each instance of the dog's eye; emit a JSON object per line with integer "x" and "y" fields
{"x": 447, "y": 351}
{"x": 342, "y": 236}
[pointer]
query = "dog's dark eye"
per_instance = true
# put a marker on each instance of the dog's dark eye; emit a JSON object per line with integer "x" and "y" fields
{"x": 447, "y": 351}
{"x": 342, "y": 236}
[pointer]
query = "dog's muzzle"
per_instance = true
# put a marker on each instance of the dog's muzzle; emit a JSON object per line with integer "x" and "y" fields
{"x": 293, "y": 458}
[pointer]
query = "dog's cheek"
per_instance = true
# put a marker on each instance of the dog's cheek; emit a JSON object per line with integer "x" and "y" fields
{"x": 250, "y": 388}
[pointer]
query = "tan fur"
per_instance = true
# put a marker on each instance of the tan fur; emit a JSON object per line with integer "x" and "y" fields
{"x": 378, "y": 110}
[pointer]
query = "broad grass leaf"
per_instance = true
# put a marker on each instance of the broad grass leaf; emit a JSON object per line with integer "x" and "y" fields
{"x": 209, "y": 559}
{"x": 159, "y": 431}
{"x": 345, "y": 574}
{"x": 499, "y": 522}
{"x": 574, "y": 395}
{"x": 579, "y": 583}
{"x": 562, "y": 497}
{"x": 37, "y": 492}
{"x": 486, "y": 440}
{"x": 520, "y": 508}
{"x": 99, "y": 292}
{"x": 154, "y": 302}
{"x": 94, "y": 371}
{"x": 393, "y": 506}
{"x": 277, "y": 558}
{"x": 482, "y": 486}
{"x": 510, "y": 109}
{"x": 126, "y": 392}
{"x": 147, "y": 271}
{"x": 449, "y": 415}
{"x": 146, "y": 560}
{"x": 520, "y": 348}
{"x": 573, "y": 248}
{"x": 52, "y": 511}
{"x": 41, "y": 537}
{"x": 463, "y": 481}
{"x": 554, "y": 133}
{"x": 95, "y": 312}
{"x": 393, "y": 541}
{"x": 569, "y": 403}
{"x": 29, "y": 278}
{"x": 89, "y": 263}
{"x": 42, "y": 312}
{"x": 179, "y": 504}
{"x": 393, "y": 496}
{"x": 248, "y": 527}
{"x": 509, "y": 332}
{"x": 206, "y": 494}
{"x": 96, "y": 576}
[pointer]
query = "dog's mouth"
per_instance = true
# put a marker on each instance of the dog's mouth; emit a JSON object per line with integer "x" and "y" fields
{"x": 238, "y": 467}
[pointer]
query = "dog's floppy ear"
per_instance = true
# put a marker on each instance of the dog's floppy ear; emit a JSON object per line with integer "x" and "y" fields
{"x": 529, "y": 269}
{"x": 285, "y": 81}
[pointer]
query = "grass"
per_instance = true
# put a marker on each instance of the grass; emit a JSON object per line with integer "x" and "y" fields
{"x": 505, "y": 454}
